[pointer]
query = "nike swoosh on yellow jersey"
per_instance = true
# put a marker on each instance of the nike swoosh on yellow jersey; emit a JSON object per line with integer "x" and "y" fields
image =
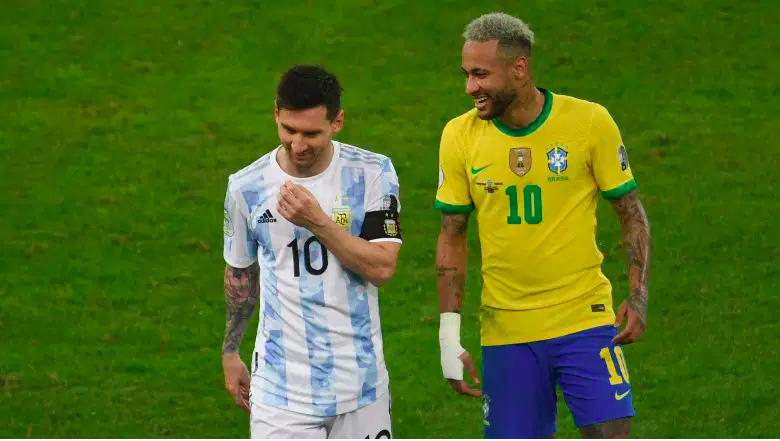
{"x": 619, "y": 397}
{"x": 474, "y": 171}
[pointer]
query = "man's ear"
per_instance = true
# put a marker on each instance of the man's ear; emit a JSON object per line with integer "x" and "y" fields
{"x": 521, "y": 68}
{"x": 338, "y": 123}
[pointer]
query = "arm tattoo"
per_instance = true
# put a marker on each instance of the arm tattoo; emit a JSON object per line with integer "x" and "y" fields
{"x": 451, "y": 262}
{"x": 619, "y": 428}
{"x": 455, "y": 224}
{"x": 242, "y": 289}
{"x": 454, "y": 282}
{"x": 635, "y": 230}
{"x": 442, "y": 271}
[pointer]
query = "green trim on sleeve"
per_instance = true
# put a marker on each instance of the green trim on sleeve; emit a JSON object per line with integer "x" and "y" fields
{"x": 453, "y": 209}
{"x": 619, "y": 191}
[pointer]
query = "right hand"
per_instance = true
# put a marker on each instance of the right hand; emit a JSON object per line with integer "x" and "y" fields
{"x": 453, "y": 360}
{"x": 237, "y": 379}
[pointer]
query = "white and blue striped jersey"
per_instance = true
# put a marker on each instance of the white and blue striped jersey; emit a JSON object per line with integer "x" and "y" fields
{"x": 319, "y": 344}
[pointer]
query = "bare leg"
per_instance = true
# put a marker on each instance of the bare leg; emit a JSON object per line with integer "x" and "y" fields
{"x": 614, "y": 429}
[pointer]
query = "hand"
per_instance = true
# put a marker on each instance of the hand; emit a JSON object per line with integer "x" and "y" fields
{"x": 636, "y": 324}
{"x": 453, "y": 370}
{"x": 299, "y": 206}
{"x": 237, "y": 379}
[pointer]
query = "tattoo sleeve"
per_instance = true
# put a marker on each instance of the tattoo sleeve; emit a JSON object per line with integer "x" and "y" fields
{"x": 242, "y": 289}
{"x": 451, "y": 258}
{"x": 635, "y": 232}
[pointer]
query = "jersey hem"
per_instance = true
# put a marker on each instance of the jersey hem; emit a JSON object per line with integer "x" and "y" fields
{"x": 235, "y": 264}
{"x": 304, "y": 408}
{"x": 619, "y": 191}
{"x": 584, "y": 326}
{"x": 452, "y": 209}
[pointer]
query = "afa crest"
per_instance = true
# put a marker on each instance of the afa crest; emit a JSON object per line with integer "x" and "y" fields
{"x": 557, "y": 160}
{"x": 391, "y": 227}
{"x": 342, "y": 216}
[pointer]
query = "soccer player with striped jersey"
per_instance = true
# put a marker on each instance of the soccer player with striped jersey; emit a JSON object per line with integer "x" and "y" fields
{"x": 531, "y": 164}
{"x": 311, "y": 230}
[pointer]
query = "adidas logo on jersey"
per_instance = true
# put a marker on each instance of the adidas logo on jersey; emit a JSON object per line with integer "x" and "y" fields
{"x": 266, "y": 217}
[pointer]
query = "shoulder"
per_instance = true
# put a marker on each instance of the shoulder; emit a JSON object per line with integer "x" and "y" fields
{"x": 460, "y": 132}
{"x": 576, "y": 106}
{"x": 251, "y": 173}
{"x": 463, "y": 124}
{"x": 589, "y": 111}
{"x": 354, "y": 156}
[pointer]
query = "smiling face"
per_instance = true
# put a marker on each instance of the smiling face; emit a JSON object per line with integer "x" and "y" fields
{"x": 492, "y": 78}
{"x": 308, "y": 115}
{"x": 306, "y": 135}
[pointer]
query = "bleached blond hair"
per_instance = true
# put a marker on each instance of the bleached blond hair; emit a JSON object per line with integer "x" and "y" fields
{"x": 514, "y": 36}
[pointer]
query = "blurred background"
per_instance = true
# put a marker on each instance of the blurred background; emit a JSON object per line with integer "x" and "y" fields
{"x": 121, "y": 121}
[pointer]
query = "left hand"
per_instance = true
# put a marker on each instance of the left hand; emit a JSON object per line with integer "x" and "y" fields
{"x": 299, "y": 206}
{"x": 237, "y": 380}
{"x": 635, "y": 326}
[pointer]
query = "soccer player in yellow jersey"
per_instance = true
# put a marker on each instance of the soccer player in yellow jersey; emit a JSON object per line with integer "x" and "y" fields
{"x": 531, "y": 164}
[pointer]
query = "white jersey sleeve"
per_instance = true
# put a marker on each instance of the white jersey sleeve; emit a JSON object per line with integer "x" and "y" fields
{"x": 239, "y": 245}
{"x": 383, "y": 207}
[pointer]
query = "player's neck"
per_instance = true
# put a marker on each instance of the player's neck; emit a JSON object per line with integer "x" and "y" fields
{"x": 525, "y": 110}
{"x": 297, "y": 171}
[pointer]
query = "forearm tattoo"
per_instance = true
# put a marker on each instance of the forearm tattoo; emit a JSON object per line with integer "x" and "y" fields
{"x": 242, "y": 290}
{"x": 635, "y": 230}
{"x": 454, "y": 224}
{"x": 451, "y": 279}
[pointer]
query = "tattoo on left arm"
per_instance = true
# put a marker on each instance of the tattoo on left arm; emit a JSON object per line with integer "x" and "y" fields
{"x": 242, "y": 290}
{"x": 635, "y": 232}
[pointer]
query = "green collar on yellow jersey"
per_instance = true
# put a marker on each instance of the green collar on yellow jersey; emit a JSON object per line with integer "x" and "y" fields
{"x": 548, "y": 100}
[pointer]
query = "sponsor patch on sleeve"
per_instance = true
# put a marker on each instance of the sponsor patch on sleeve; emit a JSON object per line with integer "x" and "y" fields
{"x": 227, "y": 225}
{"x": 623, "y": 157}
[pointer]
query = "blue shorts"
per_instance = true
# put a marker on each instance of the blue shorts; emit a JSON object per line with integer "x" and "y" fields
{"x": 519, "y": 383}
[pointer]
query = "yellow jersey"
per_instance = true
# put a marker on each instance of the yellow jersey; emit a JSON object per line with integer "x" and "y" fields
{"x": 535, "y": 191}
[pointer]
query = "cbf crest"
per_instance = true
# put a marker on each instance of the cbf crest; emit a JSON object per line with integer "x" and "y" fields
{"x": 520, "y": 160}
{"x": 557, "y": 160}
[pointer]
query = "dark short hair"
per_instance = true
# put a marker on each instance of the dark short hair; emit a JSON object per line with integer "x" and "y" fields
{"x": 306, "y": 86}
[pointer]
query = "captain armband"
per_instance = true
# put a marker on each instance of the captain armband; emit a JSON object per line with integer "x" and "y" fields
{"x": 383, "y": 225}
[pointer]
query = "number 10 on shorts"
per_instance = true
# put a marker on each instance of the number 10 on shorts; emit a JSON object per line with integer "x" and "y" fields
{"x": 614, "y": 378}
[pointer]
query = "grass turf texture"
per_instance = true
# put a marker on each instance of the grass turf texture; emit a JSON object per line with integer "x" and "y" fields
{"x": 119, "y": 125}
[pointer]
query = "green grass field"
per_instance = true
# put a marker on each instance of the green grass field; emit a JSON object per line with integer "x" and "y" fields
{"x": 120, "y": 123}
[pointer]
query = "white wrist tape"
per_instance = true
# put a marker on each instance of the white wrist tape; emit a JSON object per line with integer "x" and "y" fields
{"x": 451, "y": 350}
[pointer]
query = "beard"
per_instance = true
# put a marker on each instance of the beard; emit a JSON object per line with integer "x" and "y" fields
{"x": 499, "y": 102}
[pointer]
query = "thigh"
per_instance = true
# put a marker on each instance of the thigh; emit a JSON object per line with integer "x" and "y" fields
{"x": 593, "y": 375}
{"x": 268, "y": 422}
{"x": 369, "y": 422}
{"x": 518, "y": 392}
